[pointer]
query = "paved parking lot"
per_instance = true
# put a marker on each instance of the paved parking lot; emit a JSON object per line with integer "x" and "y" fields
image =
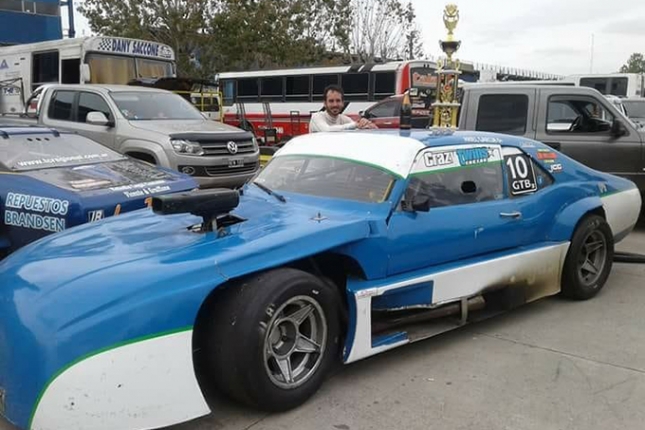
{"x": 554, "y": 364}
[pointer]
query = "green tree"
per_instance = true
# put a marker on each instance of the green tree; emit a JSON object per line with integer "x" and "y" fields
{"x": 635, "y": 64}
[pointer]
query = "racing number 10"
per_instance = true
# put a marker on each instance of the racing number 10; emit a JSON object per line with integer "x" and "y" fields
{"x": 521, "y": 176}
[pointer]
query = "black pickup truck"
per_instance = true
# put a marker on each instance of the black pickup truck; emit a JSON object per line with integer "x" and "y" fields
{"x": 577, "y": 121}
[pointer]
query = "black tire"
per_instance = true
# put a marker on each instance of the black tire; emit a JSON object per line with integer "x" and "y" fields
{"x": 235, "y": 330}
{"x": 585, "y": 272}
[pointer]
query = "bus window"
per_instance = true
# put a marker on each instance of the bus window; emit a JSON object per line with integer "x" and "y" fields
{"x": 599, "y": 84}
{"x": 228, "y": 91}
{"x": 247, "y": 89}
{"x": 384, "y": 85}
{"x": 147, "y": 68}
{"x": 356, "y": 85}
{"x": 297, "y": 88}
{"x": 44, "y": 68}
{"x": 110, "y": 69}
{"x": 619, "y": 87}
{"x": 423, "y": 77}
{"x": 271, "y": 88}
{"x": 71, "y": 71}
{"x": 321, "y": 82}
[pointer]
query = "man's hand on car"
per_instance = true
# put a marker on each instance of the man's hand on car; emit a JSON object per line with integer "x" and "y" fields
{"x": 365, "y": 123}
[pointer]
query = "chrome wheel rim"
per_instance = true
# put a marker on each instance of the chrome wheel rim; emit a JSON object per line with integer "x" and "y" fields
{"x": 294, "y": 342}
{"x": 591, "y": 259}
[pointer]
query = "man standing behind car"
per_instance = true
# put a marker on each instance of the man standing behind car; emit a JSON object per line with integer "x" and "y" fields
{"x": 331, "y": 119}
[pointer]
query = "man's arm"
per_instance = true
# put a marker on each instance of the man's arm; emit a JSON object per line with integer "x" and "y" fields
{"x": 318, "y": 123}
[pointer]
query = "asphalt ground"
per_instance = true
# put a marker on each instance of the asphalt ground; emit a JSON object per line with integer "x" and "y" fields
{"x": 552, "y": 364}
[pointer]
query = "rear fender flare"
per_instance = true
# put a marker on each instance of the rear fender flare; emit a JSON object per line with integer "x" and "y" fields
{"x": 567, "y": 220}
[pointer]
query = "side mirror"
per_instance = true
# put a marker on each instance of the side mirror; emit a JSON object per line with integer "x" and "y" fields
{"x": 98, "y": 118}
{"x": 618, "y": 129}
{"x": 86, "y": 76}
{"x": 361, "y": 113}
{"x": 414, "y": 92}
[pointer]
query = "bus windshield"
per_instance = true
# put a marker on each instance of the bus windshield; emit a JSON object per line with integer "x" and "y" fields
{"x": 118, "y": 69}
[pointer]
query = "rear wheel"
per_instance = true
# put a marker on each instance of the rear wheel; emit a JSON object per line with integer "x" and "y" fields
{"x": 589, "y": 259}
{"x": 269, "y": 341}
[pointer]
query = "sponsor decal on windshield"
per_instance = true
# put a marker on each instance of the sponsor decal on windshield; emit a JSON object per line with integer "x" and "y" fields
{"x": 452, "y": 157}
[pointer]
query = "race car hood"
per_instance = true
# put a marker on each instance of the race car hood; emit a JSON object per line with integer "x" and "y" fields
{"x": 271, "y": 233}
{"x": 168, "y": 127}
{"x": 100, "y": 178}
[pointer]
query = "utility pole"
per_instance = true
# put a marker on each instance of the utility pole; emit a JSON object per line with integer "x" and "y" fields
{"x": 71, "y": 33}
{"x": 592, "y": 49}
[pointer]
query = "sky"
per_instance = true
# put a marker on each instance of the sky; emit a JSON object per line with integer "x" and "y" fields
{"x": 551, "y": 36}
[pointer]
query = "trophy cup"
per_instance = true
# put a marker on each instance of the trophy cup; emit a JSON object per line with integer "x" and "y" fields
{"x": 447, "y": 105}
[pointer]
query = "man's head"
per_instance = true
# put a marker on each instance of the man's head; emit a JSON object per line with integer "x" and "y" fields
{"x": 334, "y": 100}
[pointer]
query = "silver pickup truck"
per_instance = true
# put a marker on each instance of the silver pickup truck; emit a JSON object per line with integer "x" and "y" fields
{"x": 153, "y": 125}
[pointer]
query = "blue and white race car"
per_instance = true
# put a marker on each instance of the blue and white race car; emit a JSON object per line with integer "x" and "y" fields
{"x": 50, "y": 181}
{"x": 344, "y": 246}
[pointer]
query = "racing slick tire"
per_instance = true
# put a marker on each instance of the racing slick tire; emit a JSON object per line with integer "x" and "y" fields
{"x": 270, "y": 339}
{"x": 589, "y": 259}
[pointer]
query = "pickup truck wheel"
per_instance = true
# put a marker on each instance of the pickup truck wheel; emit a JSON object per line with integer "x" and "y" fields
{"x": 589, "y": 259}
{"x": 272, "y": 339}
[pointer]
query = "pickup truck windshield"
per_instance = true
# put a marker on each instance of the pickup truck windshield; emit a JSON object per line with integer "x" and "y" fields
{"x": 327, "y": 177}
{"x": 146, "y": 106}
{"x": 45, "y": 151}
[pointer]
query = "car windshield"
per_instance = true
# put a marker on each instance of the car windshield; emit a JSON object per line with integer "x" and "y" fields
{"x": 150, "y": 105}
{"x": 327, "y": 177}
{"x": 635, "y": 109}
{"x": 44, "y": 151}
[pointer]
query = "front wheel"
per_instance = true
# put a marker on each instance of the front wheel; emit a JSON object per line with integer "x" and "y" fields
{"x": 589, "y": 259}
{"x": 271, "y": 339}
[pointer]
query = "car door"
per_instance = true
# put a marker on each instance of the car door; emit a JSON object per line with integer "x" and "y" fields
{"x": 94, "y": 102}
{"x": 580, "y": 126}
{"x": 470, "y": 214}
{"x": 385, "y": 114}
{"x": 68, "y": 109}
{"x": 531, "y": 188}
{"x": 502, "y": 110}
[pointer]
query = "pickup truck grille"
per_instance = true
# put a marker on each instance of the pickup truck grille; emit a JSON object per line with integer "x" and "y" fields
{"x": 225, "y": 170}
{"x": 217, "y": 148}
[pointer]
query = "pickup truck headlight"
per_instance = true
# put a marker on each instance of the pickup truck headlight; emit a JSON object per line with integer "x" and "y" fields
{"x": 186, "y": 147}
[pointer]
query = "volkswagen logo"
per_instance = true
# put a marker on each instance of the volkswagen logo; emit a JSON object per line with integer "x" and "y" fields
{"x": 232, "y": 147}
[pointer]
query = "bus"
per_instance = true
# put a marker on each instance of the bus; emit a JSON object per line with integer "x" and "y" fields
{"x": 96, "y": 60}
{"x": 277, "y": 104}
{"x": 615, "y": 84}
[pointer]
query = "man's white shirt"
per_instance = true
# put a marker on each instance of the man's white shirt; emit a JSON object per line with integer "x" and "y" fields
{"x": 322, "y": 121}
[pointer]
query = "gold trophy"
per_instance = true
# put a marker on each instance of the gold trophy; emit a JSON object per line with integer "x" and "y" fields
{"x": 447, "y": 105}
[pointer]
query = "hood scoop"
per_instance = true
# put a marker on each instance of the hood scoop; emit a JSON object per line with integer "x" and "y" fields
{"x": 212, "y": 205}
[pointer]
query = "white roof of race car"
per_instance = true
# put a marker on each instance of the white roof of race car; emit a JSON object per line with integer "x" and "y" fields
{"x": 393, "y": 153}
